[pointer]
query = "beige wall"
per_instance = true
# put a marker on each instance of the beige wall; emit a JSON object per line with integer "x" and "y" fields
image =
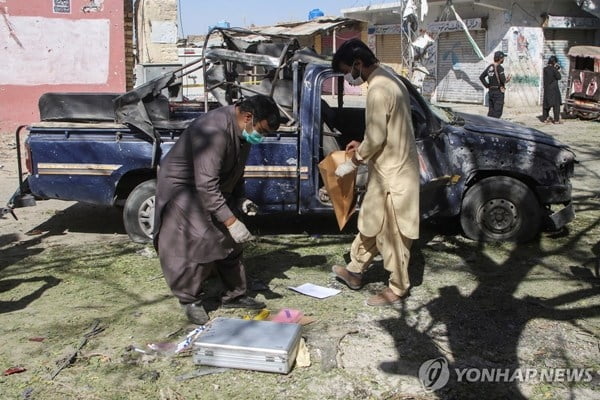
{"x": 157, "y": 31}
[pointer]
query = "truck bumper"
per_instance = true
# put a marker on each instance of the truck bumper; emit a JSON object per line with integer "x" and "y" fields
{"x": 22, "y": 197}
{"x": 561, "y": 217}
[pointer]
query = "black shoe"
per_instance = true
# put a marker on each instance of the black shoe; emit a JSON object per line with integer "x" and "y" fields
{"x": 243, "y": 302}
{"x": 195, "y": 313}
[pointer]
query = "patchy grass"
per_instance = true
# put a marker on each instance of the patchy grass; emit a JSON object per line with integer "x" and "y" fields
{"x": 478, "y": 305}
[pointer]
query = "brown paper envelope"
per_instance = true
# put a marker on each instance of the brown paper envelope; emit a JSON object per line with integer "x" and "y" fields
{"x": 340, "y": 190}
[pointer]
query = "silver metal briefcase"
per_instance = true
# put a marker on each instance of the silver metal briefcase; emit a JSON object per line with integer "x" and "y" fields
{"x": 248, "y": 344}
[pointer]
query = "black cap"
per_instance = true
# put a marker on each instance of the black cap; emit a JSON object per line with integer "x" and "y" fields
{"x": 498, "y": 55}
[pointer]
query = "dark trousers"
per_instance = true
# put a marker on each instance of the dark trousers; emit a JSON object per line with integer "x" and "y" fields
{"x": 496, "y": 103}
{"x": 555, "y": 111}
{"x": 185, "y": 278}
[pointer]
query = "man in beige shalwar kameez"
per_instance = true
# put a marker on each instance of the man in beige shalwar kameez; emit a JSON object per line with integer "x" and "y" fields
{"x": 388, "y": 220}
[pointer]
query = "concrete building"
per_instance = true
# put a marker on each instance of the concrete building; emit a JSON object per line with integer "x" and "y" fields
{"x": 60, "y": 46}
{"x": 527, "y": 31}
{"x": 156, "y": 31}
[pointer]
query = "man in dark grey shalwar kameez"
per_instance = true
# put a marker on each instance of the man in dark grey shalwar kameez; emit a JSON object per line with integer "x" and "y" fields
{"x": 199, "y": 184}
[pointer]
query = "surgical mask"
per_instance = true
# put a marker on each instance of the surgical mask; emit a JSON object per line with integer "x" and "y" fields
{"x": 253, "y": 137}
{"x": 352, "y": 81}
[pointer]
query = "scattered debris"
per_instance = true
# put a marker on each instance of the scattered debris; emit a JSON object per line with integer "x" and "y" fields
{"x": 150, "y": 376}
{"x": 288, "y": 315}
{"x": 27, "y": 394}
{"x": 134, "y": 356}
{"x": 163, "y": 348}
{"x": 147, "y": 252}
{"x": 305, "y": 320}
{"x": 261, "y": 316}
{"x": 94, "y": 330}
{"x": 174, "y": 333}
{"x": 303, "y": 356}
{"x": 159, "y": 276}
{"x": 168, "y": 348}
{"x": 14, "y": 370}
{"x": 103, "y": 357}
{"x": 328, "y": 346}
{"x": 317, "y": 291}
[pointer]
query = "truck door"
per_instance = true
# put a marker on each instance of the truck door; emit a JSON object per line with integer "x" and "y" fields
{"x": 271, "y": 174}
{"x": 435, "y": 171}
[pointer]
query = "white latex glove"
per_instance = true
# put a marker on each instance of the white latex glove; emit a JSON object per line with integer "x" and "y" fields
{"x": 248, "y": 207}
{"x": 345, "y": 169}
{"x": 239, "y": 232}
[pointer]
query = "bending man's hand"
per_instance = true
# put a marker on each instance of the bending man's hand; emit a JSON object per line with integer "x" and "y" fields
{"x": 239, "y": 232}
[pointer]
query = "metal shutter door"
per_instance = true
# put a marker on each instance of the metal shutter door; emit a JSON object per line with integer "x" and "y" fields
{"x": 557, "y": 42}
{"x": 389, "y": 48}
{"x": 458, "y": 67}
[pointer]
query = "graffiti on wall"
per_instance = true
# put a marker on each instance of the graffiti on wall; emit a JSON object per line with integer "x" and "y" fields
{"x": 55, "y": 51}
{"x": 61, "y": 6}
{"x": 525, "y": 46}
{"x": 429, "y": 62}
{"x": 93, "y": 6}
{"x": 454, "y": 26}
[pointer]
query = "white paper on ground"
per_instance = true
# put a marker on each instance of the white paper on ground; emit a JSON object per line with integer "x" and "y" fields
{"x": 315, "y": 290}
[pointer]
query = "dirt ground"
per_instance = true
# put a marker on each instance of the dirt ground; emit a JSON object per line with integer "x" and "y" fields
{"x": 67, "y": 268}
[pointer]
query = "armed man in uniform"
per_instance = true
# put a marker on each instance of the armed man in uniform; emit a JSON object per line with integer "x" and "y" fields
{"x": 495, "y": 80}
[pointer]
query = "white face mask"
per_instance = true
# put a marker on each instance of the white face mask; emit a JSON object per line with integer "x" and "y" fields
{"x": 352, "y": 81}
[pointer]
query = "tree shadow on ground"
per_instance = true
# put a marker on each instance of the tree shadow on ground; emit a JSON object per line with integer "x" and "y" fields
{"x": 78, "y": 218}
{"x": 482, "y": 329}
{"x": 19, "y": 304}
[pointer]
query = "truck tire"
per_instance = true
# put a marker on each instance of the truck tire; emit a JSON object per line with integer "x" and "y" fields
{"x": 500, "y": 208}
{"x": 138, "y": 213}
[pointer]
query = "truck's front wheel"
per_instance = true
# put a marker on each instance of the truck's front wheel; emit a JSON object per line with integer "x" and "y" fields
{"x": 138, "y": 214}
{"x": 500, "y": 208}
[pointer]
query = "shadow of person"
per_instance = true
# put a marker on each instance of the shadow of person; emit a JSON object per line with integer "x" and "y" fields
{"x": 83, "y": 217}
{"x": 7, "y": 285}
{"x": 261, "y": 269}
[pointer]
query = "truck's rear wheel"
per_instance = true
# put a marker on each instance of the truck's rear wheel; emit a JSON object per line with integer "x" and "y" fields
{"x": 138, "y": 214}
{"x": 500, "y": 208}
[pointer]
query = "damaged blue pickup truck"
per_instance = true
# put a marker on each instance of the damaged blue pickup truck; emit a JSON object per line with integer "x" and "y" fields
{"x": 501, "y": 180}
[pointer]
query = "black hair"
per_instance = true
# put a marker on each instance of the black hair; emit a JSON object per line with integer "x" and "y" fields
{"x": 350, "y": 51}
{"x": 261, "y": 107}
{"x": 552, "y": 60}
